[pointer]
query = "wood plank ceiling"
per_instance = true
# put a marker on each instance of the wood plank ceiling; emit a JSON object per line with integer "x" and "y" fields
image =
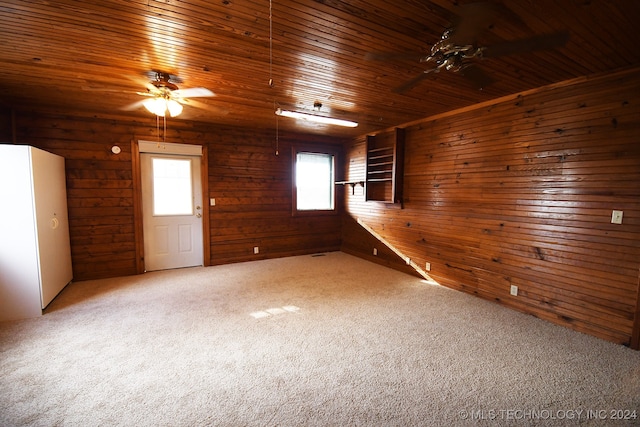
{"x": 92, "y": 57}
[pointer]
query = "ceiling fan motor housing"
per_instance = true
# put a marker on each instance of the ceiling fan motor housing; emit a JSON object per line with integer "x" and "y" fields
{"x": 162, "y": 81}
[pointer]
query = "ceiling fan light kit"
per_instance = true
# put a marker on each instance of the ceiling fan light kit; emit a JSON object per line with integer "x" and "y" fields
{"x": 159, "y": 106}
{"x": 316, "y": 119}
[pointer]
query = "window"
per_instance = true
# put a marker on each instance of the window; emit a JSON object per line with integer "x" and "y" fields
{"x": 313, "y": 189}
{"x": 172, "y": 192}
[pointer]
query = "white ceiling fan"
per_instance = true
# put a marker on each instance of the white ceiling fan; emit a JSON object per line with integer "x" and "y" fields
{"x": 164, "y": 95}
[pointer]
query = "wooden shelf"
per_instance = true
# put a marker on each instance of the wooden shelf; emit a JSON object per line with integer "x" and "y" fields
{"x": 351, "y": 183}
{"x": 385, "y": 167}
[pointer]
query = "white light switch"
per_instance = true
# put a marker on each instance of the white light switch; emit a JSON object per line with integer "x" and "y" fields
{"x": 212, "y": 202}
{"x": 616, "y": 217}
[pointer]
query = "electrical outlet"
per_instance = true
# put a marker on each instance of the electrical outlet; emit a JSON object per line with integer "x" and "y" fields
{"x": 375, "y": 251}
{"x": 427, "y": 266}
{"x": 256, "y": 250}
{"x": 514, "y": 290}
{"x": 616, "y": 217}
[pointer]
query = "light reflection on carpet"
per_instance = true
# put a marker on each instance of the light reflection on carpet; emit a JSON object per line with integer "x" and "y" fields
{"x": 276, "y": 311}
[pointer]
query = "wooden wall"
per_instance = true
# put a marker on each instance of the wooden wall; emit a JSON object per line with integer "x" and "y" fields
{"x": 253, "y": 190}
{"x": 251, "y": 185}
{"x": 6, "y": 125}
{"x": 520, "y": 192}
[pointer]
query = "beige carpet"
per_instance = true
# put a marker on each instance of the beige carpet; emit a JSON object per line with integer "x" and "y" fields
{"x": 327, "y": 340}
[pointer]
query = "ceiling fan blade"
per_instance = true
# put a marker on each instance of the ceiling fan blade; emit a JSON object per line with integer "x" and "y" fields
{"x": 138, "y": 81}
{"x": 544, "y": 42}
{"x": 133, "y": 106}
{"x": 473, "y": 19}
{"x": 89, "y": 88}
{"x": 193, "y": 92}
{"x": 391, "y": 56}
{"x": 211, "y": 108}
{"x": 477, "y": 76}
{"x": 413, "y": 82}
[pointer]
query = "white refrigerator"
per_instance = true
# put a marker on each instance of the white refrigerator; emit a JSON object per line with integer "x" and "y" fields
{"x": 35, "y": 250}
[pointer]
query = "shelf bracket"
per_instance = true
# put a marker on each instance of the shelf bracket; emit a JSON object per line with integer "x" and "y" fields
{"x": 352, "y": 184}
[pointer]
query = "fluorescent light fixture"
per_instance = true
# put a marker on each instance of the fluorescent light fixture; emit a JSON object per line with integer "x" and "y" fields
{"x": 160, "y": 105}
{"x": 314, "y": 118}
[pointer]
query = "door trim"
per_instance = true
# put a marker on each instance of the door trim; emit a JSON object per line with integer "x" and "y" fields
{"x": 169, "y": 148}
{"x": 137, "y": 197}
{"x": 635, "y": 332}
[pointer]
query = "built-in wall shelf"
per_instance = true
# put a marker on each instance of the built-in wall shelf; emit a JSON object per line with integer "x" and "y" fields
{"x": 385, "y": 167}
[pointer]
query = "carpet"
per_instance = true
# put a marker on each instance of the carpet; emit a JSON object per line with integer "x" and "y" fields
{"x": 329, "y": 340}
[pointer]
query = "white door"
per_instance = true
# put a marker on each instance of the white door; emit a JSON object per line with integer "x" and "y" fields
{"x": 50, "y": 202}
{"x": 172, "y": 211}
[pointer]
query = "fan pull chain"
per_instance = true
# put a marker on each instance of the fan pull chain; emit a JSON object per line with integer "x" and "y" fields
{"x": 164, "y": 131}
{"x": 158, "y": 129}
{"x": 277, "y": 141}
{"x": 271, "y": 71}
{"x": 270, "y": 44}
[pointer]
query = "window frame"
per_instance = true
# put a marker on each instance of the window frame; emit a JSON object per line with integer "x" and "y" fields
{"x": 313, "y": 149}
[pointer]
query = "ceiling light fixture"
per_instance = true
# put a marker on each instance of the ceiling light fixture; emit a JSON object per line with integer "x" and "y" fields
{"x": 159, "y": 106}
{"x": 316, "y": 119}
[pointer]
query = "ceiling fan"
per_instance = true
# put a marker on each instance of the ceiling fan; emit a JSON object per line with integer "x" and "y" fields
{"x": 164, "y": 95}
{"x": 457, "y": 52}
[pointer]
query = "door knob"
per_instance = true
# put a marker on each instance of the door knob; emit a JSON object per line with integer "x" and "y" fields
{"x": 198, "y": 207}
{"x": 198, "y": 215}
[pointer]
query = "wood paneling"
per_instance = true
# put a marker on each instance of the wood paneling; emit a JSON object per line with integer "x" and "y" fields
{"x": 87, "y": 55}
{"x": 6, "y": 124}
{"x": 251, "y": 185}
{"x": 520, "y": 192}
{"x": 359, "y": 242}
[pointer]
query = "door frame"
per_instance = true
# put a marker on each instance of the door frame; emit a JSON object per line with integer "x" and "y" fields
{"x": 137, "y": 203}
{"x": 635, "y": 333}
